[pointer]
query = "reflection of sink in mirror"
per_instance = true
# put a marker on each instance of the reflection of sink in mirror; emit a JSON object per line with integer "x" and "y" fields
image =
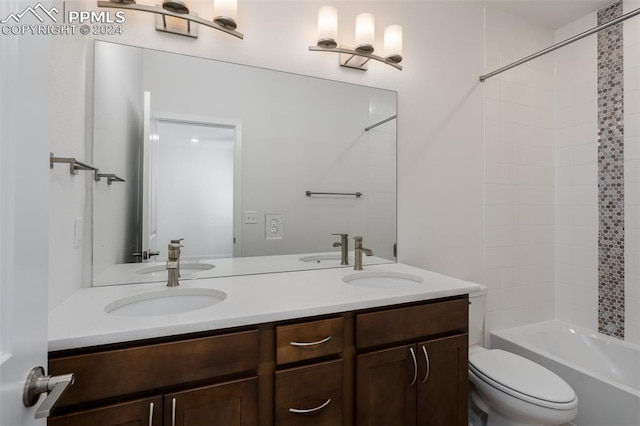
{"x": 382, "y": 279}
{"x": 325, "y": 258}
{"x": 185, "y": 268}
{"x": 165, "y": 302}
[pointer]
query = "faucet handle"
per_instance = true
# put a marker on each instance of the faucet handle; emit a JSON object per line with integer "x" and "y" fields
{"x": 341, "y": 235}
{"x": 177, "y": 241}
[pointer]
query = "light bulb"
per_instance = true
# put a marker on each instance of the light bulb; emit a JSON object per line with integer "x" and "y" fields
{"x": 327, "y": 26}
{"x": 226, "y": 13}
{"x": 393, "y": 43}
{"x": 365, "y": 32}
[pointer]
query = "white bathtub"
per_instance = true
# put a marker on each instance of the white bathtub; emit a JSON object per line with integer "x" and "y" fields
{"x": 603, "y": 371}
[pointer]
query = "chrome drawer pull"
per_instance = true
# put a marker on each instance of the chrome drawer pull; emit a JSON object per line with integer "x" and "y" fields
{"x": 173, "y": 412}
{"x": 426, "y": 360}
{"x": 151, "y": 414}
{"x": 309, "y": 410}
{"x": 415, "y": 367}
{"x": 303, "y": 344}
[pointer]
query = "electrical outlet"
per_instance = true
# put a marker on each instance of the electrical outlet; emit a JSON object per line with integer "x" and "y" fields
{"x": 250, "y": 217}
{"x": 273, "y": 226}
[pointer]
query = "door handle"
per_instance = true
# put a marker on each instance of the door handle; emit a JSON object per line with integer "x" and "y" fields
{"x": 427, "y": 363}
{"x": 38, "y": 383}
{"x": 415, "y": 367}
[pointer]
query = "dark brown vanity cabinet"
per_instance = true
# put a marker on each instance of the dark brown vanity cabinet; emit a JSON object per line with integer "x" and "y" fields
{"x": 403, "y": 379}
{"x": 191, "y": 381}
{"x": 401, "y": 365}
{"x": 231, "y": 403}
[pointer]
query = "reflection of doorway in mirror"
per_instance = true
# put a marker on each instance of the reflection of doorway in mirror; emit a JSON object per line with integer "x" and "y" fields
{"x": 194, "y": 187}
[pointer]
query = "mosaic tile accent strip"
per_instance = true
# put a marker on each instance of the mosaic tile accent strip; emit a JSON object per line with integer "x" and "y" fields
{"x": 611, "y": 175}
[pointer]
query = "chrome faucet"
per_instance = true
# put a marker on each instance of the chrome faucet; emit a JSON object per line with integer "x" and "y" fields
{"x": 344, "y": 248}
{"x": 173, "y": 264}
{"x": 358, "y": 253}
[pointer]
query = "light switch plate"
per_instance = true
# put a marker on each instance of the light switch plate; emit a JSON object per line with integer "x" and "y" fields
{"x": 250, "y": 217}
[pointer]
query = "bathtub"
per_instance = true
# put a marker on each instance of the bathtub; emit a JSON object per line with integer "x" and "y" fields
{"x": 603, "y": 371}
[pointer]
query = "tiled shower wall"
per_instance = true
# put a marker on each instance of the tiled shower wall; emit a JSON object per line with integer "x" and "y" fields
{"x": 541, "y": 175}
{"x": 632, "y": 172}
{"x": 576, "y": 129}
{"x": 577, "y": 196}
{"x": 519, "y": 175}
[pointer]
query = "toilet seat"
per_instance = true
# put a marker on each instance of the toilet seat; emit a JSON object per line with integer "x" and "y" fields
{"x": 522, "y": 379}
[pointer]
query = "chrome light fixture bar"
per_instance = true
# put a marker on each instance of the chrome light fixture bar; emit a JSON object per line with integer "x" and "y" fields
{"x": 178, "y": 9}
{"x": 358, "y": 57}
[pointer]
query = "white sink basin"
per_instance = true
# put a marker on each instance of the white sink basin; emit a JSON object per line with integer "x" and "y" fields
{"x": 186, "y": 269}
{"x": 333, "y": 259}
{"x": 382, "y": 279}
{"x": 165, "y": 302}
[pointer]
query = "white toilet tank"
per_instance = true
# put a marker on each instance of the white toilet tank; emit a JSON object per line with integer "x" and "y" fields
{"x": 477, "y": 306}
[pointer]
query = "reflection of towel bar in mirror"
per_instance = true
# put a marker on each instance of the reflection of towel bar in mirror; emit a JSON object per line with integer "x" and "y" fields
{"x": 74, "y": 165}
{"x": 348, "y": 194}
{"x": 111, "y": 177}
{"x": 379, "y": 123}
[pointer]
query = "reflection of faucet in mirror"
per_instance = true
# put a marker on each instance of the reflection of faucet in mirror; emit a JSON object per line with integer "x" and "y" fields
{"x": 173, "y": 264}
{"x": 146, "y": 255}
{"x": 358, "y": 253}
{"x": 344, "y": 248}
{"x": 179, "y": 242}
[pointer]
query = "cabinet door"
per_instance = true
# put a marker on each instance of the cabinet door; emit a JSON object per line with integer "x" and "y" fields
{"x": 143, "y": 412}
{"x": 443, "y": 382}
{"x": 230, "y": 404}
{"x": 385, "y": 387}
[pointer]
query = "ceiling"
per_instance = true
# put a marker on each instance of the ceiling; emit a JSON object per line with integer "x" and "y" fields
{"x": 549, "y": 13}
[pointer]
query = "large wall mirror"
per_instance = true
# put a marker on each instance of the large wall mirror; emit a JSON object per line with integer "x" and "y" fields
{"x": 254, "y": 169}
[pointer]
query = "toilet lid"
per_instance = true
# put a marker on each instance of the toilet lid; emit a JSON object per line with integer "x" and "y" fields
{"x": 521, "y": 375}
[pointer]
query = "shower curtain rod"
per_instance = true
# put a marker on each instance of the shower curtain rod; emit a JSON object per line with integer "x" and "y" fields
{"x": 562, "y": 44}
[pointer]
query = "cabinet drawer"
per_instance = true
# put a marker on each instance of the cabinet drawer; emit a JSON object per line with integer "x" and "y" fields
{"x": 403, "y": 324}
{"x": 313, "y": 339}
{"x": 124, "y": 371}
{"x": 310, "y": 395}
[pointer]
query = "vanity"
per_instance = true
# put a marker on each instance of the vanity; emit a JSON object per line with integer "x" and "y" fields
{"x": 387, "y": 345}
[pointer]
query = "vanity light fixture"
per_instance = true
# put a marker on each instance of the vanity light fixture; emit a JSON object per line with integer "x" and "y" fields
{"x": 225, "y": 12}
{"x": 359, "y": 56}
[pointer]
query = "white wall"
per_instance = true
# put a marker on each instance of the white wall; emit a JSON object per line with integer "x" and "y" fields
{"x": 440, "y": 106}
{"x": 519, "y": 175}
{"x": 576, "y": 130}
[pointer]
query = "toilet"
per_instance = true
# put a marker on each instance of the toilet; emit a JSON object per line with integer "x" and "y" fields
{"x": 509, "y": 390}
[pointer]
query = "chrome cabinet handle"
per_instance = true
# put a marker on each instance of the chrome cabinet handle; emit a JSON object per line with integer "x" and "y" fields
{"x": 303, "y": 344}
{"x": 151, "y": 414}
{"x": 310, "y": 410}
{"x": 173, "y": 412}
{"x": 415, "y": 367}
{"x": 426, "y": 360}
{"x": 37, "y": 383}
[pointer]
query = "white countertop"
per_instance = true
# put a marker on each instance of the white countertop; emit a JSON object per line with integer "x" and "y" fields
{"x": 81, "y": 320}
